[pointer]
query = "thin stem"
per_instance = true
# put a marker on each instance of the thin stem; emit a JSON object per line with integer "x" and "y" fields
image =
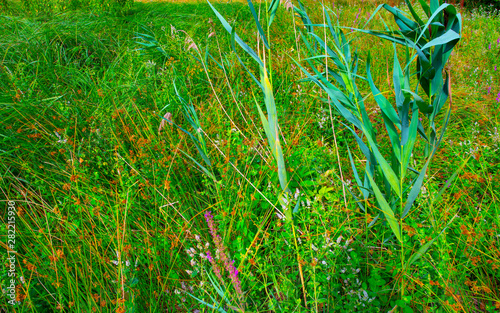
{"x": 401, "y": 178}
{"x": 331, "y": 114}
{"x": 300, "y": 266}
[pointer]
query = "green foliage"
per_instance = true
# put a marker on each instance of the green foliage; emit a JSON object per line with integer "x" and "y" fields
{"x": 110, "y": 197}
{"x": 490, "y": 5}
{"x": 401, "y": 127}
{"x": 270, "y": 124}
{"x": 3, "y": 5}
{"x": 55, "y": 6}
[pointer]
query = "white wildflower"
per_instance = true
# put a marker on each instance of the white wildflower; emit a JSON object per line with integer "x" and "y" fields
{"x": 339, "y": 239}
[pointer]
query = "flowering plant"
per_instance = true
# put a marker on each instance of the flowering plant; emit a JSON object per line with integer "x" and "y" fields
{"x": 221, "y": 256}
{"x": 221, "y": 264}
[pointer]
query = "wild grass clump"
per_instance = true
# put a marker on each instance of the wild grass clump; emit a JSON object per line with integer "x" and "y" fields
{"x": 251, "y": 157}
{"x": 43, "y": 8}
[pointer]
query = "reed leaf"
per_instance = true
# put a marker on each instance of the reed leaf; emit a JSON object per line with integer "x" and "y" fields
{"x": 259, "y": 27}
{"x": 235, "y": 36}
{"x": 270, "y": 124}
{"x": 386, "y": 209}
{"x": 273, "y": 7}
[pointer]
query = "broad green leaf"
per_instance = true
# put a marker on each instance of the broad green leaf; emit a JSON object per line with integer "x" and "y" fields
{"x": 332, "y": 90}
{"x": 440, "y": 100}
{"x": 331, "y": 54}
{"x": 405, "y": 123}
{"x": 233, "y": 40}
{"x": 436, "y": 12}
{"x": 385, "y": 167}
{"x": 273, "y": 129}
{"x": 265, "y": 125}
{"x": 423, "y": 249}
{"x": 415, "y": 190}
{"x": 413, "y": 13}
{"x": 449, "y": 36}
{"x": 312, "y": 50}
{"x": 259, "y": 27}
{"x": 382, "y": 102}
{"x": 404, "y": 23}
{"x": 425, "y": 7}
{"x": 345, "y": 47}
{"x": 273, "y": 7}
{"x": 379, "y": 7}
{"x": 353, "y": 166}
{"x": 434, "y": 5}
{"x": 297, "y": 206}
{"x": 362, "y": 146}
{"x": 305, "y": 18}
{"x": 398, "y": 80}
{"x": 421, "y": 104}
{"x": 386, "y": 209}
{"x": 330, "y": 26}
{"x": 408, "y": 146}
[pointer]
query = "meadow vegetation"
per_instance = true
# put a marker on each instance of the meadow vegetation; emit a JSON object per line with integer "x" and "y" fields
{"x": 160, "y": 161}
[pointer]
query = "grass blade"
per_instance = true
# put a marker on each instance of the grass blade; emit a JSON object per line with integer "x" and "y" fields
{"x": 386, "y": 209}
{"x": 259, "y": 27}
{"x": 273, "y": 7}
{"x": 229, "y": 29}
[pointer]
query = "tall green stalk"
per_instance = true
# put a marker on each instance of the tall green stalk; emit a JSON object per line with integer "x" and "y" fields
{"x": 391, "y": 181}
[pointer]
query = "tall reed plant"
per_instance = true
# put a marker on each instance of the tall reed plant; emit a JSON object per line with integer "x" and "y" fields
{"x": 391, "y": 179}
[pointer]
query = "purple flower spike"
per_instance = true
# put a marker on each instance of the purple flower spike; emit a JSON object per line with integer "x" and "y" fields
{"x": 222, "y": 258}
{"x": 489, "y": 47}
{"x": 498, "y": 40}
{"x": 214, "y": 265}
{"x": 495, "y": 67}
{"x": 489, "y": 90}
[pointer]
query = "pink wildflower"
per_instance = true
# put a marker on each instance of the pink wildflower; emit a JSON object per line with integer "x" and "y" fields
{"x": 228, "y": 264}
{"x": 214, "y": 265}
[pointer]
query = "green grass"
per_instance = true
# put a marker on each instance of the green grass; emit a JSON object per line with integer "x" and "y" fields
{"x": 94, "y": 180}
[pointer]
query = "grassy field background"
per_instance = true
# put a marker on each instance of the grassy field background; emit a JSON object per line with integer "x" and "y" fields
{"x": 112, "y": 209}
